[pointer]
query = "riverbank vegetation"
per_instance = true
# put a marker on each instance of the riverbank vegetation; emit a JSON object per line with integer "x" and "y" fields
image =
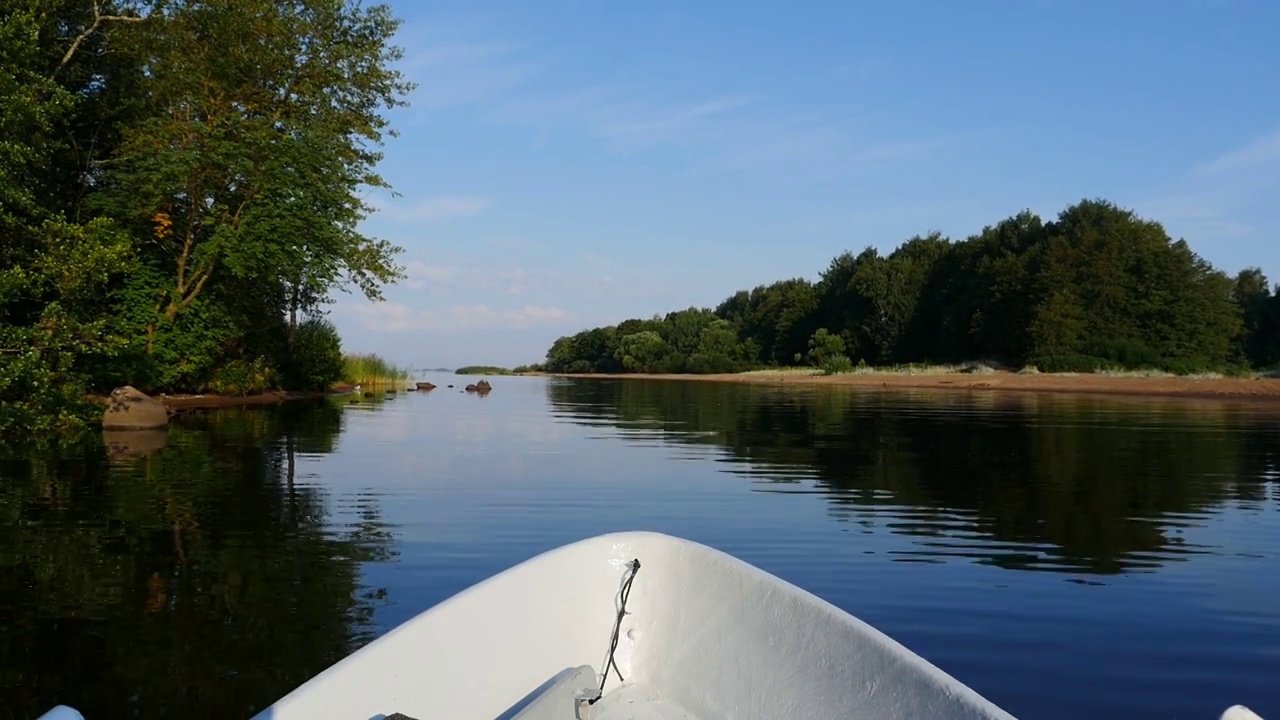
{"x": 371, "y": 370}
{"x": 180, "y": 188}
{"x": 1097, "y": 288}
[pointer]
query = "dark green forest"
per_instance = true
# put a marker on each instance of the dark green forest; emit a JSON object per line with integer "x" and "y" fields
{"x": 180, "y": 187}
{"x": 1099, "y": 287}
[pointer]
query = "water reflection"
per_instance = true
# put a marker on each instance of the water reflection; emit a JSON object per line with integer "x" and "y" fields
{"x": 1018, "y": 481}
{"x": 148, "y": 581}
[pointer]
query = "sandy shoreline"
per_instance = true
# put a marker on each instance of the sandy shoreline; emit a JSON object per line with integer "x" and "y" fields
{"x": 1267, "y": 390}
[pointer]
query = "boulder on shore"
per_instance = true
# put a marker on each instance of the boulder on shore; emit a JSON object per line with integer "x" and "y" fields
{"x": 130, "y": 409}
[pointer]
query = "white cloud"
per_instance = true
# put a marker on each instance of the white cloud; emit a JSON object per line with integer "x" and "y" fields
{"x": 482, "y": 316}
{"x": 514, "y": 281}
{"x": 399, "y": 317}
{"x": 421, "y": 275}
{"x": 441, "y": 207}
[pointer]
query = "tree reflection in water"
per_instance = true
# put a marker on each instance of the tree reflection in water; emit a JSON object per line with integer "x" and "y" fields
{"x": 197, "y": 574}
{"x": 1033, "y": 482}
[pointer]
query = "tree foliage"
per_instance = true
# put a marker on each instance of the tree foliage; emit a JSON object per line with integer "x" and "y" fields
{"x": 181, "y": 183}
{"x": 1097, "y": 286}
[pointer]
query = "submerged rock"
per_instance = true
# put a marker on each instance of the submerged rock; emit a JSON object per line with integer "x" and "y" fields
{"x": 131, "y": 409}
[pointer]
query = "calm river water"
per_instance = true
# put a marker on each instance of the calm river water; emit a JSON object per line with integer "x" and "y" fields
{"x": 1065, "y": 557}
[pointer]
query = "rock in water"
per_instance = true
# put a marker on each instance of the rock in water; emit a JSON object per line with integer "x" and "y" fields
{"x": 130, "y": 409}
{"x": 125, "y": 446}
{"x": 483, "y": 386}
{"x": 472, "y": 388}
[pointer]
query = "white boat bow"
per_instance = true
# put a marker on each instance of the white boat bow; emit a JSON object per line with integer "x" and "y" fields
{"x": 704, "y": 636}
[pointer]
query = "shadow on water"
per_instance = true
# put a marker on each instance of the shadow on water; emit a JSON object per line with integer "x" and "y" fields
{"x": 1025, "y": 482}
{"x": 156, "y": 578}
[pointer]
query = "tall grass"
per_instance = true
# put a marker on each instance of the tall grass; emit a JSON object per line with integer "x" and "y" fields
{"x": 371, "y": 369}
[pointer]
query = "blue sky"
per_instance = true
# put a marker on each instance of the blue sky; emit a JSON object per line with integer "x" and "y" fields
{"x": 571, "y": 164}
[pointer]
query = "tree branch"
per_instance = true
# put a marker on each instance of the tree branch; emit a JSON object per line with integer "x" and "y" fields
{"x": 98, "y": 21}
{"x": 195, "y": 290}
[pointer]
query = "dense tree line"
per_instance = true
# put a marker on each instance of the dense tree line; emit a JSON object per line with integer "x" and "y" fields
{"x": 1097, "y": 287}
{"x": 180, "y": 187}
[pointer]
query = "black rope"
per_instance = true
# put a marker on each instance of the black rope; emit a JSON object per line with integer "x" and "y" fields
{"x": 617, "y": 627}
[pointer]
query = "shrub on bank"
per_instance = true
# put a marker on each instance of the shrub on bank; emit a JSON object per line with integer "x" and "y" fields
{"x": 244, "y": 377}
{"x": 315, "y": 362}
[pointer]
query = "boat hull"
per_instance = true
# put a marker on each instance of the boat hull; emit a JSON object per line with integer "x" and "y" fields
{"x": 717, "y": 636}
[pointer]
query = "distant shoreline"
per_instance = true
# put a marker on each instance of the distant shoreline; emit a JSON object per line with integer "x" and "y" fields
{"x": 1223, "y": 388}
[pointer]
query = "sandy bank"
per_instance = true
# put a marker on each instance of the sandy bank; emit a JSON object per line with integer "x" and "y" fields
{"x": 1094, "y": 384}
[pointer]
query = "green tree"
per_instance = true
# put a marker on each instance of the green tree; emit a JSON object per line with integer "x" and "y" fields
{"x": 1098, "y": 286}
{"x": 251, "y": 160}
{"x": 825, "y": 347}
{"x": 1258, "y": 341}
{"x": 167, "y": 212}
{"x": 718, "y": 349}
{"x": 317, "y": 355}
{"x": 641, "y": 351}
{"x": 53, "y": 269}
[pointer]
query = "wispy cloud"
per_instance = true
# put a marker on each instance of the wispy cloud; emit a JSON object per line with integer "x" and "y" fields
{"x": 512, "y": 281}
{"x": 518, "y": 84}
{"x": 454, "y": 64}
{"x": 401, "y": 317}
{"x": 904, "y": 150}
{"x": 658, "y": 123}
{"x": 1214, "y": 199}
{"x": 431, "y": 209}
{"x": 1261, "y": 154}
{"x": 420, "y": 274}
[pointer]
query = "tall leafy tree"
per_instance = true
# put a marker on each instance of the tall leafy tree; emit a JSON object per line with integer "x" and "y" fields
{"x": 253, "y": 156}
{"x": 180, "y": 182}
